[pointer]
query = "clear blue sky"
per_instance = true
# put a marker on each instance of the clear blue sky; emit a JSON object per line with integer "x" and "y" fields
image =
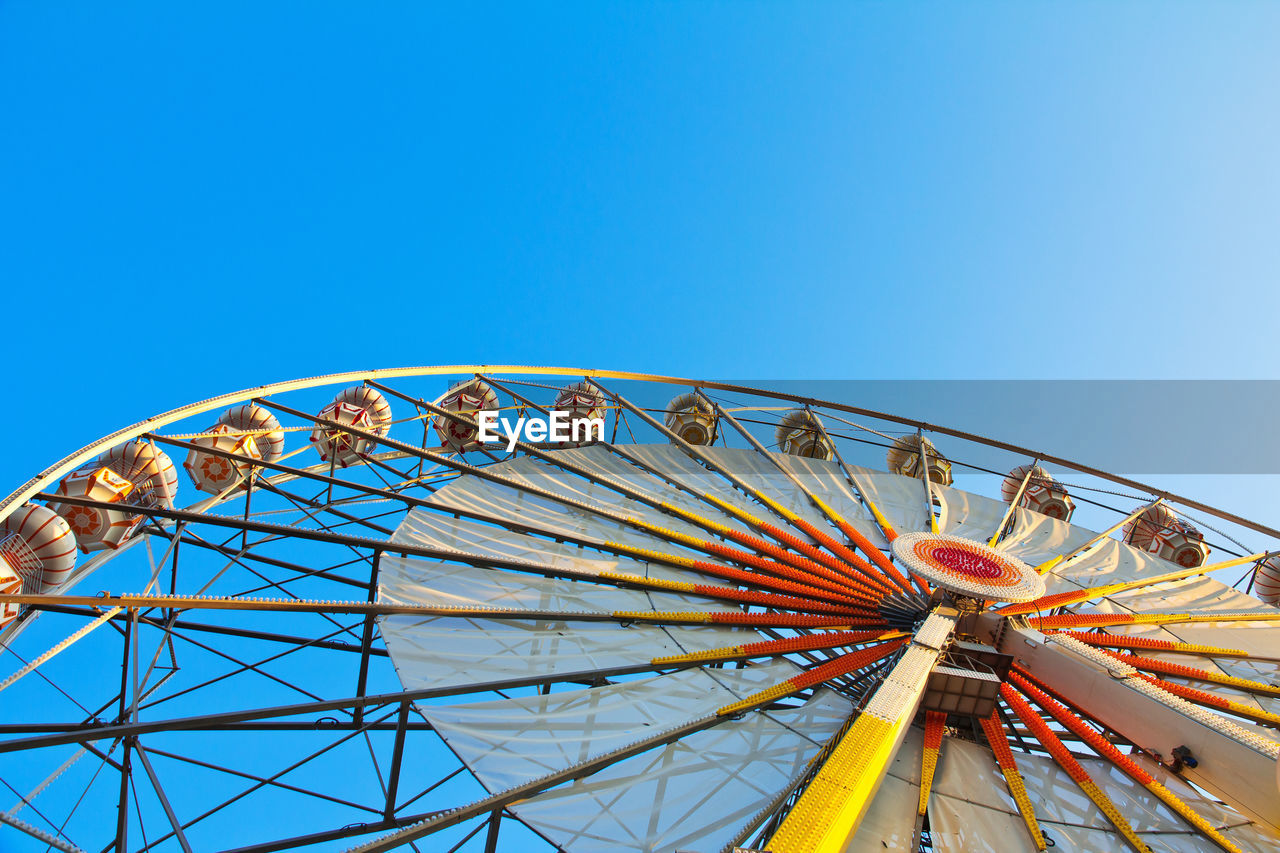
{"x": 195, "y": 199}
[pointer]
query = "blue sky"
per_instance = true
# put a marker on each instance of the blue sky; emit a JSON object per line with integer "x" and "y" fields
{"x": 195, "y": 199}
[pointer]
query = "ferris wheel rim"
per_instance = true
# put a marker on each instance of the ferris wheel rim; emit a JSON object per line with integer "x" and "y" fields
{"x": 23, "y": 493}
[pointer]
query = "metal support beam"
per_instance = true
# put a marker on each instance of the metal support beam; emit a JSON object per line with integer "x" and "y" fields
{"x": 397, "y": 761}
{"x": 366, "y": 638}
{"x": 164, "y": 800}
{"x": 501, "y": 799}
{"x": 491, "y": 838}
{"x": 93, "y": 731}
{"x": 183, "y": 625}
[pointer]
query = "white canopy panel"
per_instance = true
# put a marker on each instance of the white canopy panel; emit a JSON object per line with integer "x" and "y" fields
{"x": 602, "y": 461}
{"x": 900, "y": 499}
{"x": 965, "y": 514}
{"x": 970, "y": 810}
{"x": 754, "y": 468}
{"x": 486, "y": 540}
{"x": 474, "y": 495}
{"x": 826, "y": 480}
{"x": 675, "y": 465}
{"x": 1036, "y": 538}
{"x": 509, "y": 741}
{"x": 422, "y": 582}
{"x": 598, "y": 460}
{"x": 691, "y": 795}
{"x": 823, "y": 478}
{"x": 449, "y": 651}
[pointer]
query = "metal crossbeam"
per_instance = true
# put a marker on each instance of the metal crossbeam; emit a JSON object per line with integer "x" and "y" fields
{"x": 92, "y": 732}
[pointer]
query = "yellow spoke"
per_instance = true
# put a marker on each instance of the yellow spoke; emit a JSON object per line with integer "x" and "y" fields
{"x": 999, "y": 742}
{"x": 1013, "y": 504}
{"x": 1051, "y": 564}
{"x": 827, "y": 814}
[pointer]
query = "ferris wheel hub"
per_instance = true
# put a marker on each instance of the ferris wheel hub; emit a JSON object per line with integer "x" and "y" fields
{"x": 968, "y": 568}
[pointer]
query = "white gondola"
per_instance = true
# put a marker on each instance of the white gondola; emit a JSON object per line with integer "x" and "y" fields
{"x": 1159, "y": 531}
{"x": 11, "y": 581}
{"x": 149, "y": 469}
{"x": 48, "y": 539}
{"x": 581, "y": 401}
{"x": 468, "y": 399}
{"x": 212, "y": 473}
{"x": 1042, "y": 494}
{"x": 1266, "y": 581}
{"x": 97, "y": 528}
{"x": 135, "y": 473}
{"x": 261, "y": 425}
{"x": 800, "y": 434}
{"x": 360, "y": 407}
{"x": 904, "y": 458}
{"x": 692, "y": 418}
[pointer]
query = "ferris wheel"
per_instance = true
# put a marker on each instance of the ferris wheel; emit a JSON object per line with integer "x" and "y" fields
{"x": 403, "y": 609}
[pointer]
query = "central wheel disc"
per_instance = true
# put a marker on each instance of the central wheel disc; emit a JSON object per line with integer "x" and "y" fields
{"x": 967, "y": 567}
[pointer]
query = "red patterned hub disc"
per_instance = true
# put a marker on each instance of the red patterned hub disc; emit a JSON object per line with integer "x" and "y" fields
{"x": 967, "y": 567}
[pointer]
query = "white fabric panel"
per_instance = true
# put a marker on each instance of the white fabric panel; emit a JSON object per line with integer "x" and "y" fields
{"x": 976, "y": 814}
{"x": 752, "y": 467}
{"x": 965, "y": 827}
{"x": 434, "y": 530}
{"x": 471, "y": 494}
{"x": 900, "y": 499}
{"x": 1203, "y": 593}
{"x": 827, "y": 480}
{"x": 969, "y": 771}
{"x": 600, "y": 460}
{"x": 1059, "y": 800}
{"x": 1252, "y": 836}
{"x": 824, "y": 479}
{"x": 692, "y": 795}
{"x": 1112, "y": 561}
{"x": 531, "y": 472}
{"x": 890, "y": 821}
{"x": 1198, "y": 594}
{"x": 422, "y": 582}
{"x": 971, "y": 810}
{"x": 447, "y": 651}
{"x": 966, "y": 514}
{"x": 1037, "y": 538}
{"x": 508, "y": 742}
{"x": 1249, "y": 835}
{"x": 676, "y": 465}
